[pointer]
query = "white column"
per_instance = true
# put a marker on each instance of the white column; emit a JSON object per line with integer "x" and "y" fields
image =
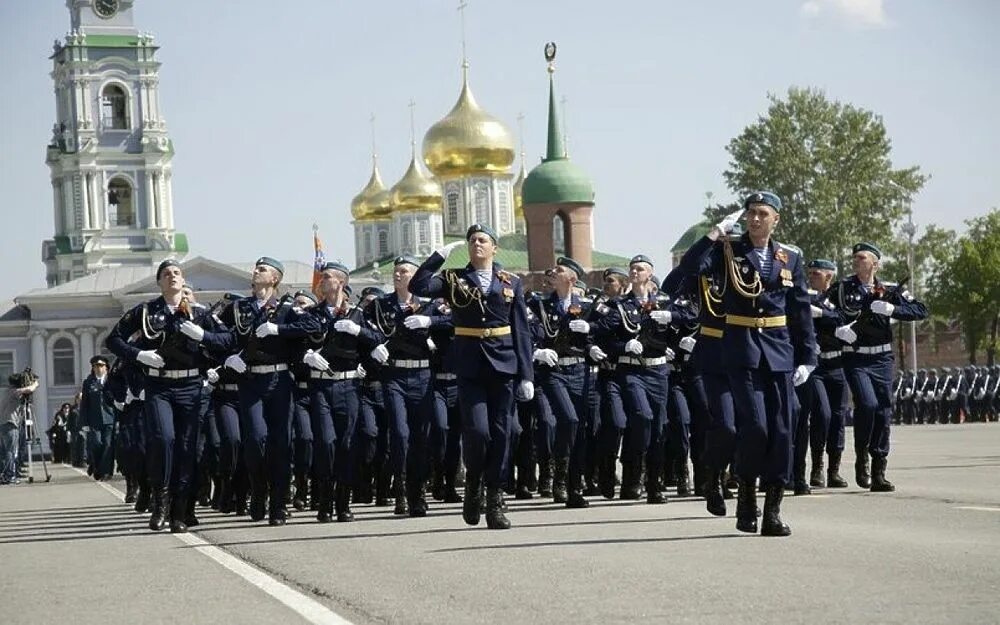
{"x": 60, "y": 213}
{"x": 167, "y": 214}
{"x": 158, "y": 195}
{"x": 87, "y": 215}
{"x": 39, "y": 365}
{"x": 70, "y": 206}
{"x": 95, "y": 202}
{"x": 149, "y": 190}
{"x": 86, "y": 348}
{"x": 152, "y": 213}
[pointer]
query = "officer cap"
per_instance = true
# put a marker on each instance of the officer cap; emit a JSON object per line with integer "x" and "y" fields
{"x": 271, "y": 262}
{"x": 371, "y": 290}
{"x": 306, "y": 294}
{"x": 474, "y": 228}
{"x": 820, "y": 263}
{"x": 865, "y": 246}
{"x": 569, "y": 263}
{"x": 98, "y": 360}
{"x": 336, "y": 267}
{"x": 640, "y": 258}
{"x": 763, "y": 197}
{"x": 405, "y": 259}
{"x": 612, "y": 271}
{"x": 170, "y": 262}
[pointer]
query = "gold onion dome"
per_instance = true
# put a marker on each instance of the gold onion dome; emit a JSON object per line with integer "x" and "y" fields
{"x": 361, "y": 205}
{"x": 468, "y": 140}
{"x": 415, "y": 191}
{"x": 380, "y": 205}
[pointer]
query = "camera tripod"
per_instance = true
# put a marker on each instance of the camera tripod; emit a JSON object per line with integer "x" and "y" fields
{"x": 32, "y": 439}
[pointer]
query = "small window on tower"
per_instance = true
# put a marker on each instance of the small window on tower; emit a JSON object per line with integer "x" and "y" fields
{"x": 452, "y": 201}
{"x": 383, "y": 243}
{"x": 121, "y": 209}
{"x": 114, "y": 108}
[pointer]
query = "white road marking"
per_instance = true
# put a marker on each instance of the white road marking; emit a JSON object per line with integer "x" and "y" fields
{"x": 306, "y": 607}
{"x": 978, "y": 508}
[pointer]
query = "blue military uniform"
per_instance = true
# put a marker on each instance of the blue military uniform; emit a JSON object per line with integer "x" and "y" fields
{"x": 446, "y": 430}
{"x": 98, "y": 414}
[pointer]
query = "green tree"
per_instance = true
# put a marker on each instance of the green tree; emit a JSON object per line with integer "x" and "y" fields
{"x": 830, "y": 164}
{"x": 933, "y": 251}
{"x": 967, "y": 288}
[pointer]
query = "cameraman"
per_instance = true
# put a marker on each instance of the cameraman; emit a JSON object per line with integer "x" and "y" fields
{"x": 21, "y": 385}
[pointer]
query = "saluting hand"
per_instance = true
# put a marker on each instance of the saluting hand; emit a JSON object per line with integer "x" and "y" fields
{"x": 446, "y": 251}
{"x": 236, "y": 363}
{"x": 687, "y": 343}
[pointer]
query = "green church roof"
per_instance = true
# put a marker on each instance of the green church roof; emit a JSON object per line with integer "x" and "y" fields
{"x": 691, "y": 235}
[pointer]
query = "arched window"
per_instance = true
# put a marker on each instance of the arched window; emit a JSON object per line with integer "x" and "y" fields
{"x": 481, "y": 199}
{"x": 63, "y": 362}
{"x": 383, "y": 243}
{"x": 504, "y": 201}
{"x": 423, "y": 233}
{"x": 407, "y": 236}
{"x": 454, "y": 224}
{"x": 121, "y": 209}
{"x": 559, "y": 234}
{"x": 368, "y": 244}
{"x": 114, "y": 108}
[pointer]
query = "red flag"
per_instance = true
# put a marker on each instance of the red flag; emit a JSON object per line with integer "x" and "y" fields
{"x": 320, "y": 260}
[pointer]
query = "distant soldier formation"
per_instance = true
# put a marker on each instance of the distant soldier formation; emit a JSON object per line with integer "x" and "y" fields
{"x": 459, "y": 386}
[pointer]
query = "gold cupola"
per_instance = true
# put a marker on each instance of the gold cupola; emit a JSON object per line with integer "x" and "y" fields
{"x": 468, "y": 140}
{"x": 362, "y": 206}
{"x": 415, "y": 191}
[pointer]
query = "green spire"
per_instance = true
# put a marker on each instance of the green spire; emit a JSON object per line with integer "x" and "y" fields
{"x": 556, "y": 147}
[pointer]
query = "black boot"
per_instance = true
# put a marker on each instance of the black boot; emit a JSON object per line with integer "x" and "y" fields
{"x": 226, "y": 498}
{"x": 322, "y": 491}
{"x": 654, "y": 491}
{"x": 178, "y": 509}
{"x": 258, "y": 502}
{"x": 362, "y": 492}
{"x": 160, "y": 510}
{"x": 833, "y": 479}
{"x": 879, "y": 483}
{"x": 715, "y": 502}
{"x": 746, "y": 507}
{"x": 344, "y": 514}
{"x": 399, "y": 491}
{"x": 631, "y": 472}
{"x": 301, "y": 491}
{"x": 800, "y": 485}
{"x": 216, "y": 502}
{"x": 522, "y": 492}
{"x": 495, "y": 517}
{"x": 450, "y": 492}
{"x": 383, "y": 481}
{"x": 130, "y": 490}
{"x": 545, "y": 479}
{"x": 559, "y": 474}
{"x": 861, "y": 475}
{"x": 473, "y": 491}
{"x": 816, "y": 474}
{"x": 771, "y": 524}
{"x": 683, "y": 477}
{"x": 416, "y": 499}
{"x": 142, "y": 498}
{"x": 190, "y": 519}
{"x": 437, "y": 482}
{"x": 606, "y": 477}
{"x": 697, "y": 478}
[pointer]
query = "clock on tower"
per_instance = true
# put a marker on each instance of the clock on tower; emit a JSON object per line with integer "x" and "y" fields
{"x": 102, "y": 17}
{"x": 106, "y": 8}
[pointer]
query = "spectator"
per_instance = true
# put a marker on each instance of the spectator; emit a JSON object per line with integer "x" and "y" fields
{"x": 11, "y": 418}
{"x": 59, "y": 434}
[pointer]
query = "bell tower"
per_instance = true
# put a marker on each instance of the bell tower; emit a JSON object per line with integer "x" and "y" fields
{"x": 109, "y": 156}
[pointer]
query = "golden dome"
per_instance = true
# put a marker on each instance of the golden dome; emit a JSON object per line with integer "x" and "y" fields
{"x": 361, "y": 205}
{"x": 380, "y": 205}
{"x": 468, "y": 140}
{"x": 415, "y": 191}
{"x": 518, "y": 204}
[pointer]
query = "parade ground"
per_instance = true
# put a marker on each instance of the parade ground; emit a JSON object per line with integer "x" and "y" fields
{"x": 72, "y": 552}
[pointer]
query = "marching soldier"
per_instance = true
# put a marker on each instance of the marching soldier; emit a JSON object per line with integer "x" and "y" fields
{"x": 612, "y": 410}
{"x": 491, "y": 352}
{"x": 303, "y": 442}
{"x": 868, "y": 305}
{"x": 769, "y": 346}
{"x": 98, "y": 414}
{"x": 372, "y": 433}
{"x": 447, "y": 431}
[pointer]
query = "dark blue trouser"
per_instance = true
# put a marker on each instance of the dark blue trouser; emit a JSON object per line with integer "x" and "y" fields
{"x": 100, "y": 443}
{"x": 302, "y": 430}
{"x": 678, "y": 430}
{"x": 373, "y": 428}
{"x": 612, "y": 414}
{"x": 266, "y": 410}
{"x": 446, "y": 429}
{"x": 545, "y": 427}
{"x": 409, "y": 406}
{"x": 565, "y": 388}
{"x": 335, "y": 409}
{"x": 701, "y": 419}
{"x": 171, "y": 410}
{"x": 487, "y": 405}
{"x": 870, "y": 379}
{"x": 764, "y": 402}
{"x": 829, "y": 398}
{"x": 720, "y": 438}
{"x": 133, "y": 434}
{"x": 227, "y": 421}
{"x": 645, "y": 392}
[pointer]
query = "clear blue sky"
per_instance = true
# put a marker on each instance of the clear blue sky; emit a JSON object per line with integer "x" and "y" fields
{"x": 268, "y": 104}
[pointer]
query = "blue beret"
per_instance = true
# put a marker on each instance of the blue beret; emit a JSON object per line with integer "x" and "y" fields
{"x": 763, "y": 197}
{"x": 405, "y": 259}
{"x": 270, "y": 262}
{"x": 336, "y": 267}
{"x": 640, "y": 258}
{"x": 569, "y": 263}
{"x": 170, "y": 262}
{"x": 371, "y": 290}
{"x": 474, "y": 228}
{"x": 611, "y": 271}
{"x": 822, "y": 264}
{"x": 306, "y": 294}
{"x": 865, "y": 246}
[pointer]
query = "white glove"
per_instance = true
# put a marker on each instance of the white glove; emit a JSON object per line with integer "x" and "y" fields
{"x": 634, "y": 347}
{"x": 596, "y": 353}
{"x": 150, "y": 358}
{"x": 724, "y": 226}
{"x": 670, "y": 355}
{"x": 380, "y": 354}
{"x": 525, "y": 390}
{"x": 417, "y": 322}
{"x": 846, "y": 334}
{"x": 119, "y": 405}
{"x": 212, "y": 375}
{"x": 662, "y": 317}
{"x": 579, "y": 325}
{"x": 801, "y": 374}
{"x": 347, "y": 327}
{"x": 315, "y": 360}
{"x": 236, "y": 363}
{"x": 882, "y": 307}
{"x": 431, "y": 345}
{"x": 446, "y": 251}
{"x": 362, "y": 374}
{"x": 687, "y": 344}
{"x": 546, "y": 357}
{"x": 953, "y": 395}
{"x": 267, "y": 329}
{"x": 192, "y": 330}
{"x": 817, "y": 312}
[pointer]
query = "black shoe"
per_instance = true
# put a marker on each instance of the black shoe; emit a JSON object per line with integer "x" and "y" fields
{"x": 879, "y": 483}
{"x": 655, "y": 496}
{"x": 418, "y": 506}
{"x": 258, "y": 507}
{"x": 833, "y": 479}
{"x": 746, "y": 507}
{"x": 606, "y": 477}
{"x": 178, "y": 512}
{"x": 816, "y": 475}
{"x": 545, "y": 479}
{"x": 495, "y": 517}
{"x": 142, "y": 499}
{"x": 160, "y": 507}
{"x": 177, "y": 526}
{"x": 771, "y": 523}
{"x": 715, "y": 501}
{"x": 801, "y": 488}
{"x": 301, "y": 492}
{"x": 522, "y": 493}
{"x": 575, "y": 499}
{"x": 861, "y": 476}
{"x": 323, "y": 497}
{"x": 682, "y": 476}
{"x": 437, "y": 488}
{"x": 560, "y": 471}
{"x": 631, "y": 474}
{"x": 130, "y": 490}
{"x": 470, "y": 506}
{"x": 343, "y": 504}
{"x": 451, "y": 495}
{"x": 277, "y": 517}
